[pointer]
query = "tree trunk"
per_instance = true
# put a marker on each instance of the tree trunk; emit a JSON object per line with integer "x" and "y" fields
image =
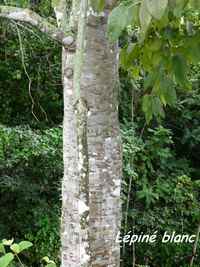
{"x": 99, "y": 89}
{"x": 99, "y": 86}
{"x": 70, "y": 232}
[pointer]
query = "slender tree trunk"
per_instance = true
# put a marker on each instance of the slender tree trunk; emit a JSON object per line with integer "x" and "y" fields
{"x": 99, "y": 90}
{"x": 70, "y": 234}
{"x": 75, "y": 186}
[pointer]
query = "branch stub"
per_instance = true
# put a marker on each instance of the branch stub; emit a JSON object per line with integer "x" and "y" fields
{"x": 68, "y": 41}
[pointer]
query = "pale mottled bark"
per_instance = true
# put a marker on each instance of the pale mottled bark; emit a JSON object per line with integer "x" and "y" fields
{"x": 74, "y": 14}
{"x": 60, "y": 9}
{"x": 28, "y": 16}
{"x": 99, "y": 87}
{"x": 75, "y": 181}
{"x": 70, "y": 227}
{"x": 81, "y": 110}
{"x": 80, "y": 47}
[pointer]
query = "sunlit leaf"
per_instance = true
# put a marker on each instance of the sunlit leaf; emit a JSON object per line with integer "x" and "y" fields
{"x": 51, "y": 265}
{"x": 15, "y": 248}
{"x": 147, "y": 107}
{"x": 119, "y": 19}
{"x": 6, "y": 259}
{"x": 145, "y": 19}
{"x": 98, "y": 5}
{"x": 7, "y": 242}
{"x": 157, "y": 8}
{"x": 24, "y": 245}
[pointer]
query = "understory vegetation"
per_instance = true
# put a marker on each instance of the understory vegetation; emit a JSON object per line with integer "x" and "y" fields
{"x": 161, "y": 184}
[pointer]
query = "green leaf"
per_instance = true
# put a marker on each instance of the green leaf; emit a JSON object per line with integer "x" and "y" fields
{"x": 2, "y": 249}
{"x": 7, "y": 242}
{"x": 179, "y": 65}
{"x": 135, "y": 73}
{"x": 147, "y": 107}
{"x": 195, "y": 4}
{"x": 192, "y": 49}
{"x": 46, "y": 259}
{"x": 145, "y": 19}
{"x": 150, "y": 80}
{"x": 117, "y": 22}
{"x": 24, "y": 245}
{"x": 177, "y": 6}
{"x": 194, "y": 54}
{"x": 15, "y": 248}
{"x": 155, "y": 44}
{"x": 168, "y": 92}
{"x": 101, "y": 5}
{"x": 51, "y": 265}
{"x": 157, "y": 108}
{"x": 157, "y": 8}
{"x": 6, "y": 259}
{"x": 128, "y": 54}
{"x": 119, "y": 19}
{"x": 98, "y": 5}
{"x": 156, "y": 59}
{"x": 54, "y": 3}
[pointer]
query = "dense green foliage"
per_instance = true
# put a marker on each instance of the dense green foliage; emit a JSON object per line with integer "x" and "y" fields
{"x": 31, "y": 167}
{"x": 161, "y": 175}
{"x": 12, "y": 253}
{"x": 163, "y": 39}
{"x": 28, "y": 59}
{"x": 161, "y": 186}
{"x": 30, "y": 140}
{"x": 164, "y": 194}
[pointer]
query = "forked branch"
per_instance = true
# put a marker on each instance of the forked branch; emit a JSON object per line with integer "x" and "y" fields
{"x": 32, "y": 18}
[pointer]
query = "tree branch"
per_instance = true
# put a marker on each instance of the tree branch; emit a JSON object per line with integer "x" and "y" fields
{"x": 29, "y": 16}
